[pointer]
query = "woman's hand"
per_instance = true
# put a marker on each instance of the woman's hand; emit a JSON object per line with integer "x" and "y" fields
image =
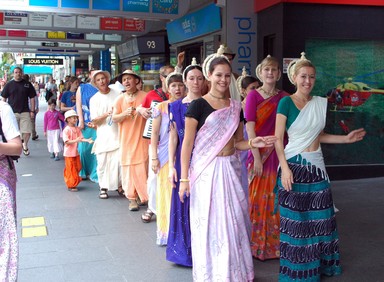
{"x": 265, "y": 141}
{"x": 356, "y": 135}
{"x": 287, "y": 179}
{"x": 183, "y": 190}
{"x": 258, "y": 167}
{"x": 155, "y": 165}
{"x": 172, "y": 176}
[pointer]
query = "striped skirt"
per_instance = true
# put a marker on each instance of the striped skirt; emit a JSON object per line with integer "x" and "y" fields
{"x": 309, "y": 243}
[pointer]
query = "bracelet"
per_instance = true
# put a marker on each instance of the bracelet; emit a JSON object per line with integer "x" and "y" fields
{"x": 184, "y": 180}
{"x": 250, "y": 144}
{"x": 154, "y": 159}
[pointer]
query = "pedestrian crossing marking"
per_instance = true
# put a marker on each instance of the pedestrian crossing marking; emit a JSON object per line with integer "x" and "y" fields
{"x": 32, "y": 221}
{"x": 39, "y": 231}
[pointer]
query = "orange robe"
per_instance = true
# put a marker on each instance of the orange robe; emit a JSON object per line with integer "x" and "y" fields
{"x": 133, "y": 148}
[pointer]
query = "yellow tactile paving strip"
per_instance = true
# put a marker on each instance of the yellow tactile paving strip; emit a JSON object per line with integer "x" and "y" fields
{"x": 33, "y": 227}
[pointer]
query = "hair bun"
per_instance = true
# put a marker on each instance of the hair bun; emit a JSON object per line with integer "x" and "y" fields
{"x": 208, "y": 60}
{"x": 258, "y": 69}
{"x": 239, "y": 80}
{"x": 291, "y": 69}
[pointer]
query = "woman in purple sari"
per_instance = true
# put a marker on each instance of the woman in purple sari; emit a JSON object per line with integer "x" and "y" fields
{"x": 218, "y": 204}
{"x": 10, "y": 145}
{"x": 179, "y": 237}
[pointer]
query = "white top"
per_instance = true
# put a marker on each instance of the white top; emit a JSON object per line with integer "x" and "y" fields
{"x": 107, "y": 133}
{"x": 9, "y": 123}
{"x": 307, "y": 126}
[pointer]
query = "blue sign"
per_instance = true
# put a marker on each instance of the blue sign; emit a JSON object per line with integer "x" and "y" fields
{"x": 204, "y": 21}
{"x": 165, "y": 7}
{"x": 43, "y": 3}
{"x": 71, "y": 35}
{"x": 136, "y": 6}
{"x": 80, "y": 4}
{"x": 106, "y": 5}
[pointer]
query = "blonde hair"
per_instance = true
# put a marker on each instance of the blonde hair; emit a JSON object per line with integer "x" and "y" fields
{"x": 267, "y": 61}
{"x": 296, "y": 65}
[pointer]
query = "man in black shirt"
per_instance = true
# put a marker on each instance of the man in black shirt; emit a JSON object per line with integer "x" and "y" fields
{"x": 17, "y": 93}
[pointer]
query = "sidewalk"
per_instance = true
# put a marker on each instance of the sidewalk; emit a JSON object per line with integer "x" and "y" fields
{"x": 89, "y": 239}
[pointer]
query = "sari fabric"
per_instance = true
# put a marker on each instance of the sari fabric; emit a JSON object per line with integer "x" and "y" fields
{"x": 309, "y": 243}
{"x": 163, "y": 187}
{"x": 88, "y": 160}
{"x": 8, "y": 234}
{"x": 219, "y": 213}
{"x": 179, "y": 235}
{"x": 264, "y": 221}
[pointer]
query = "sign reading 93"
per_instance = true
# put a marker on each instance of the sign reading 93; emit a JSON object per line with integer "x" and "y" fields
{"x": 151, "y": 44}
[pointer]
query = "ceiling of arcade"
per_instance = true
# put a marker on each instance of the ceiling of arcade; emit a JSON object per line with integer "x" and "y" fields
{"x": 37, "y": 29}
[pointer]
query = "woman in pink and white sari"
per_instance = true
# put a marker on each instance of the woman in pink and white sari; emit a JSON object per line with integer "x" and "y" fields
{"x": 10, "y": 145}
{"x": 219, "y": 216}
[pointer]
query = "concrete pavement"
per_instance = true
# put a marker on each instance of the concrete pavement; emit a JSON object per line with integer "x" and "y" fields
{"x": 89, "y": 239}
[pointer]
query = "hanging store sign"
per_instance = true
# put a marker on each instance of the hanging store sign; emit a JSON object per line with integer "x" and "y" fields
{"x": 165, "y": 6}
{"x": 42, "y": 61}
{"x": 111, "y": 24}
{"x": 67, "y": 21}
{"x": 17, "y": 33}
{"x": 56, "y": 35}
{"x": 85, "y": 22}
{"x": 38, "y": 19}
{"x": 136, "y": 6}
{"x": 145, "y": 9}
{"x": 15, "y": 19}
{"x": 134, "y": 25}
{"x": 49, "y": 44}
{"x": 37, "y": 34}
{"x": 201, "y": 22}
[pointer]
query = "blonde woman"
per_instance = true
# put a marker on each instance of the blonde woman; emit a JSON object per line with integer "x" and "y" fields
{"x": 309, "y": 241}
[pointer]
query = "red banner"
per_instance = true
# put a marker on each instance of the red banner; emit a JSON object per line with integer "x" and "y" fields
{"x": 17, "y": 33}
{"x": 3, "y": 32}
{"x": 264, "y": 4}
{"x": 134, "y": 25}
{"x": 111, "y": 23}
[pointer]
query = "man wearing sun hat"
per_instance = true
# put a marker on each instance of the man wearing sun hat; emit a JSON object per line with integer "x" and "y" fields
{"x": 133, "y": 147}
{"x": 106, "y": 146}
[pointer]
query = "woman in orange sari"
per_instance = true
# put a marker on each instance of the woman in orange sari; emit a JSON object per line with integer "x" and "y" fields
{"x": 260, "y": 113}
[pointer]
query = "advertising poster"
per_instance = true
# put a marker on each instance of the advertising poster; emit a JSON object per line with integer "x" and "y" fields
{"x": 165, "y": 7}
{"x": 350, "y": 73}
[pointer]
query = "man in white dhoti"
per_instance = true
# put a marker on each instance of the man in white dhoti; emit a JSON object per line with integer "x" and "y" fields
{"x": 106, "y": 146}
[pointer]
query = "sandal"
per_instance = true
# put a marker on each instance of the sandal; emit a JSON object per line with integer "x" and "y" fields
{"x": 140, "y": 203}
{"x": 103, "y": 194}
{"x": 74, "y": 189}
{"x": 121, "y": 193}
{"x": 147, "y": 216}
{"x": 26, "y": 152}
{"x": 133, "y": 206}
